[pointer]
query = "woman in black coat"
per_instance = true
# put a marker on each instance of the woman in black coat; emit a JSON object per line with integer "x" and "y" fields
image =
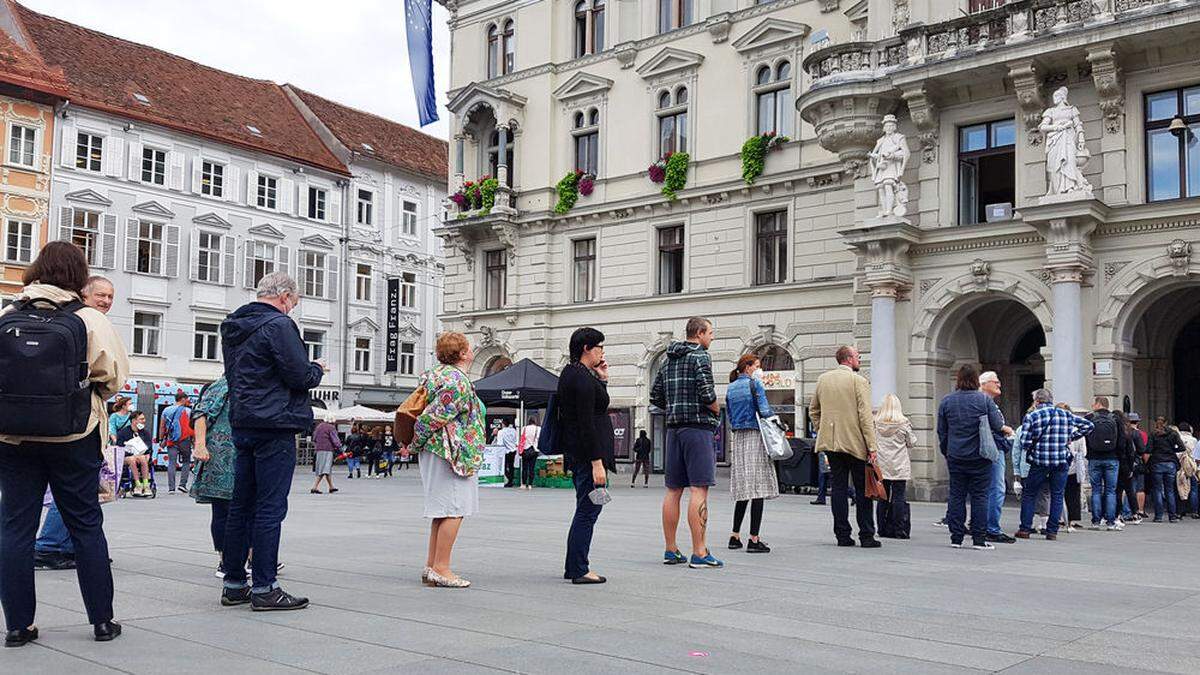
{"x": 587, "y": 443}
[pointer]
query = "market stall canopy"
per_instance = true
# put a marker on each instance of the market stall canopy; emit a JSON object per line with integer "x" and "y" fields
{"x": 524, "y": 382}
{"x": 360, "y": 413}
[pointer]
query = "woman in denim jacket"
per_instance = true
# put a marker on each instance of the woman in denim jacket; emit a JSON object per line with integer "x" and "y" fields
{"x": 752, "y": 475}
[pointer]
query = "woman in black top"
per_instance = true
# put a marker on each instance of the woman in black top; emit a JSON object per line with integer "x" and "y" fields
{"x": 587, "y": 442}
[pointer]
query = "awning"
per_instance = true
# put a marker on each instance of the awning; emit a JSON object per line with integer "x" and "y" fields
{"x": 524, "y": 382}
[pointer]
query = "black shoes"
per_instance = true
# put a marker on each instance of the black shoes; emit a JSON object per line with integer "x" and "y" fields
{"x": 231, "y": 597}
{"x": 276, "y": 600}
{"x": 845, "y": 542}
{"x": 1000, "y": 538}
{"x": 870, "y": 543}
{"x": 757, "y": 547}
{"x": 106, "y": 631}
{"x": 20, "y": 638}
{"x": 583, "y": 581}
{"x": 53, "y": 561}
{"x": 818, "y": 502}
{"x": 734, "y": 543}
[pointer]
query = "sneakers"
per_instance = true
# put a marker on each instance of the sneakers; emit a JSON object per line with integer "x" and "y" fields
{"x": 1001, "y": 538}
{"x": 231, "y": 597}
{"x": 1115, "y": 527}
{"x": 941, "y": 523}
{"x": 818, "y": 502}
{"x": 47, "y": 560}
{"x": 870, "y": 543}
{"x": 707, "y": 562}
{"x": 1096, "y": 526}
{"x": 734, "y": 543}
{"x": 276, "y": 600}
{"x": 983, "y": 546}
{"x": 956, "y": 544}
{"x": 846, "y": 542}
{"x": 674, "y": 558}
{"x": 757, "y": 547}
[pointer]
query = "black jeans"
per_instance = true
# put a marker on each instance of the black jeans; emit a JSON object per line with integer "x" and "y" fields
{"x": 1074, "y": 499}
{"x": 510, "y": 462}
{"x": 266, "y": 461}
{"x": 844, "y": 469}
{"x": 756, "y": 511}
{"x": 220, "y": 519}
{"x": 644, "y": 465}
{"x": 528, "y": 467}
{"x": 969, "y": 479}
{"x": 579, "y": 538}
{"x": 893, "y": 515}
{"x": 73, "y": 472}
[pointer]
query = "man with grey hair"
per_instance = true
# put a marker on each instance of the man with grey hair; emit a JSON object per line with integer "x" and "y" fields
{"x": 1047, "y": 433}
{"x": 98, "y": 292}
{"x": 989, "y": 383}
{"x": 270, "y": 376}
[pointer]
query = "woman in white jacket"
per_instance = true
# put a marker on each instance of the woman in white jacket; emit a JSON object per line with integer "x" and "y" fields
{"x": 895, "y": 439}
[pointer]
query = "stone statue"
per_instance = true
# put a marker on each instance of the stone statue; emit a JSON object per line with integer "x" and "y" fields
{"x": 1066, "y": 154}
{"x": 888, "y": 161}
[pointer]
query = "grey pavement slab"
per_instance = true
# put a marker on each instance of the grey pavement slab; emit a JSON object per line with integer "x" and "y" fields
{"x": 1083, "y": 604}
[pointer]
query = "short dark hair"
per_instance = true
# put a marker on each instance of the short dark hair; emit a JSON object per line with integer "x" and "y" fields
{"x": 180, "y": 396}
{"x": 582, "y": 340}
{"x": 61, "y": 264}
{"x": 844, "y": 353}
{"x": 1102, "y": 401}
{"x": 695, "y": 326}
{"x": 1185, "y": 427}
{"x": 967, "y": 379}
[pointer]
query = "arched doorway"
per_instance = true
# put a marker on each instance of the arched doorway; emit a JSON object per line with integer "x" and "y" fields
{"x": 1165, "y": 341}
{"x": 496, "y": 365}
{"x": 779, "y": 378}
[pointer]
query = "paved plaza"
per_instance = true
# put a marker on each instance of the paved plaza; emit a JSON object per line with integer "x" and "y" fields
{"x": 1091, "y": 602}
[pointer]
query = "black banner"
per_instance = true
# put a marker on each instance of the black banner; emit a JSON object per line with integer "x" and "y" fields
{"x": 393, "y": 326}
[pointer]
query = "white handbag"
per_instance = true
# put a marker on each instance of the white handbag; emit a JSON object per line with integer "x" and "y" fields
{"x": 774, "y": 438}
{"x": 136, "y": 446}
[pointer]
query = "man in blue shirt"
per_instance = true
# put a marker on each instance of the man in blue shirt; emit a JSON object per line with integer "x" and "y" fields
{"x": 1046, "y": 438}
{"x": 175, "y": 434}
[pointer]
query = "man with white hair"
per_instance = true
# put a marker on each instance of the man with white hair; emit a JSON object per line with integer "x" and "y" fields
{"x": 989, "y": 383}
{"x": 1047, "y": 432}
{"x": 270, "y": 376}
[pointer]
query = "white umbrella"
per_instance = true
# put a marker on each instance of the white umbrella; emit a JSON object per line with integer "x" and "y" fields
{"x": 362, "y": 413}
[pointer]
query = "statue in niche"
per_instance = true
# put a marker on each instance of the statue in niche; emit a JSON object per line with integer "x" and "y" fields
{"x": 1066, "y": 154}
{"x": 888, "y": 161}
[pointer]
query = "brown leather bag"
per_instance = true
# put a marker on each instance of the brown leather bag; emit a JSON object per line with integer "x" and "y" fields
{"x": 875, "y": 488}
{"x": 407, "y": 414}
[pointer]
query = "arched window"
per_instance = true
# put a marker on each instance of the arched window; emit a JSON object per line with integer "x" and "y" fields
{"x": 497, "y": 365}
{"x": 589, "y": 27}
{"x": 774, "y": 109}
{"x": 578, "y": 120}
{"x": 493, "y": 51}
{"x": 587, "y": 141}
{"x": 581, "y": 28}
{"x": 510, "y": 47}
{"x": 673, "y": 122}
{"x": 681, "y": 96}
{"x": 774, "y": 357}
{"x": 594, "y": 117}
{"x": 664, "y": 99}
{"x": 674, "y": 14}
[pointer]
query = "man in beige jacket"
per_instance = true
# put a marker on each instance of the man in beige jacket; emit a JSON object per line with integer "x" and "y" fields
{"x": 841, "y": 413}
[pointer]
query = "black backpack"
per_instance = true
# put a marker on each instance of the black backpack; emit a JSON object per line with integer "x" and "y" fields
{"x": 44, "y": 386}
{"x": 1105, "y": 437}
{"x": 551, "y": 434}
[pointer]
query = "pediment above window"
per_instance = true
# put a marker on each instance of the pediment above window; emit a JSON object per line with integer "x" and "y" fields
{"x": 857, "y": 13}
{"x": 153, "y": 208}
{"x": 266, "y": 230}
{"x": 505, "y": 104}
{"x": 212, "y": 220}
{"x": 669, "y": 60}
{"x": 89, "y": 197}
{"x": 317, "y": 241}
{"x": 582, "y": 84}
{"x": 770, "y": 32}
{"x": 365, "y": 325}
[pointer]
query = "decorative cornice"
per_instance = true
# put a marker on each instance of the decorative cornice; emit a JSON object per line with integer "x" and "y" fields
{"x": 1027, "y": 83}
{"x": 1110, "y": 84}
{"x": 975, "y": 244}
{"x": 1142, "y": 226}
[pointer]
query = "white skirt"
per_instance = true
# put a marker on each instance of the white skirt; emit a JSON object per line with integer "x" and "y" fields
{"x": 447, "y": 494}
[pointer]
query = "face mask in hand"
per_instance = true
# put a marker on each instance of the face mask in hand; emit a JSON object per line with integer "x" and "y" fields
{"x": 758, "y": 375}
{"x": 139, "y": 426}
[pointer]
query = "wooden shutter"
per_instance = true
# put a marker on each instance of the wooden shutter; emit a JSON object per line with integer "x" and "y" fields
{"x": 70, "y": 138}
{"x": 283, "y": 257}
{"x": 112, "y": 156}
{"x": 228, "y": 259}
{"x": 302, "y": 200}
{"x": 108, "y": 241}
{"x": 197, "y": 170}
{"x": 248, "y": 273}
{"x": 170, "y": 250}
{"x": 194, "y": 256}
{"x": 135, "y": 161}
{"x": 333, "y": 206}
{"x": 131, "y": 231}
{"x": 252, "y": 188}
{"x": 175, "y": 160}
{"x": 286, "y": 196}
{"x": 233, "y": 185}
{"x": 65, "y": 216}
{"x": 331, "y": 277}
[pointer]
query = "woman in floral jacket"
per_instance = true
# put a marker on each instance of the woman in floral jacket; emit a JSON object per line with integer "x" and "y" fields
{"x": 450, "y": 437}
{"x": 215, "y": 454}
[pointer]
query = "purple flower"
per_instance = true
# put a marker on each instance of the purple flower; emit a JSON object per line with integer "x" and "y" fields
{"x": 586, "y": 185}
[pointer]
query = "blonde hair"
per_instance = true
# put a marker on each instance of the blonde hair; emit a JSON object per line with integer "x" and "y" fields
{"x": 890, "y": 411}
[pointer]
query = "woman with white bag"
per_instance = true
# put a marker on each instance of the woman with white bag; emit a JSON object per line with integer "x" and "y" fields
{"x": 752, "y": 477}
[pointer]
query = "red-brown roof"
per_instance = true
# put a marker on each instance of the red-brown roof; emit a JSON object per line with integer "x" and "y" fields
{"x": 380, "y": 138}
{"x": 106, "y": 73}
{"x": 21, "y": 65}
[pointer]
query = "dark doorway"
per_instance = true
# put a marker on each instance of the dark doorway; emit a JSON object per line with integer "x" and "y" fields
{"x": 1187, "y": 373}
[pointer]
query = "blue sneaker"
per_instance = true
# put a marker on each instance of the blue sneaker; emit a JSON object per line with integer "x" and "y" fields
{"x": 708, "y": 561}
{"x": 674, "y": 558}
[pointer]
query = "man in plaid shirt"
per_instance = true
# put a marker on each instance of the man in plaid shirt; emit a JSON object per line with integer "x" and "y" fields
{"x": 1047, "y": 433}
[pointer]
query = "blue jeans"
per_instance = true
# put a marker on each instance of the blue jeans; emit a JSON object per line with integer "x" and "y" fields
{"x": 1162, "y": 479}
{"x": 579, "y": 539}
{"x": 996, "y": 498}
{"x": 1103, "y": 475}
{"x": 1194, "y": 497}
{"x": 54, "y": 537}
{"x": 969, "y": 479}
{"x": 263, "y": 472}
{"x": 1038, "y": 476}
{"x": 352, "y": 464}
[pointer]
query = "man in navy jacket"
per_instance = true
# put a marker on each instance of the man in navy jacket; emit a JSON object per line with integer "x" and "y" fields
{"x": 269, "y": 375}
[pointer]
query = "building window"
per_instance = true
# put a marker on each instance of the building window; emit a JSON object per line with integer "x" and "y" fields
{"x": 589, "y": 27}
{"x": 509, "y": 40}
{"x": 85, "y": 233}
{"x": 362, "y": 354}
{"x": 312, "y": 274}
{"x": 501, "y": 49}
{"x": 982, "y": 5}
{"x": 493, "y": 51}
{"x": 89, "y": 152}
{"x": 204, "y": 347}
{"x": 495, "y": 278}
{"x": 314, "y": 343}
{"x": 986, "y": 168}
{"x": 208, "y": 257}
{"x": 670, "y": 259}
{"x": 674, "y": 14}
{"x": 510, "y": 156}
{"x": 585, "y": 269}
{"x": 1173, "y": 157}
{"x": 587, "y": 141}
{"x": 147, "y": 331}
{"x": 366, "y": 205}
{"x": 362, "y": 282}
{"x": 268, "y": 191}
{"x": 212, "y": 179}
{"x": 773, "y": 99}
{"x": 408, "y": 219}
{"x": 21, "y": 145}
{"x": 316, "y": 203}
{"x": 154, "y": 166}
{"x": 770, "y": 248}
{"x": 262, "y": 261}
{"x": 149, "y": 248}
{"x": 408, "y": 358}
{"x": 18, "y": 241}
{"x": 672, "y": 121}
{"x": 408, "y": 289}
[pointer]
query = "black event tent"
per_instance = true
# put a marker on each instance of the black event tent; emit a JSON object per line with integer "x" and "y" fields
{"x": 523, "y": 384}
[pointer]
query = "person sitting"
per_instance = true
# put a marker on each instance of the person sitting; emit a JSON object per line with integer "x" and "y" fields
{"x": 134, "y": 439}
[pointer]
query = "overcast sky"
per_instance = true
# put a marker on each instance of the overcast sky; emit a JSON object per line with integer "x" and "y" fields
{"x": 350, "y": 51}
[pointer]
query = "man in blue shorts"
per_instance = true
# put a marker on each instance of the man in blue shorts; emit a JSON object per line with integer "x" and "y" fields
{"x": 684, "y": 388}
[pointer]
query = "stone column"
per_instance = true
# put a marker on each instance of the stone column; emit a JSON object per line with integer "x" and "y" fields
{"x": 502, "y": 155}
{"x": 883, "y": 342}
{"x": 459, "y": 152}
{"x": 1067, "y": 338}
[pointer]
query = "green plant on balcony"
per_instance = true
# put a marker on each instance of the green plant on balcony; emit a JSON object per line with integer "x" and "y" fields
{"x": 476, "y": 196}
{"x": 754, "y": 154}
{"x": 572, "y": 185}
{"x": 675, "y": 174}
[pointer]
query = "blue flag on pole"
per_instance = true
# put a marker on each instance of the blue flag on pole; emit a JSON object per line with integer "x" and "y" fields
{"x": 420, "y": 57}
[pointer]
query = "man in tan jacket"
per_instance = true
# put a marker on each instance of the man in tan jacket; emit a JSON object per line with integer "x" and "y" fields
{"x": 841, "y": 413}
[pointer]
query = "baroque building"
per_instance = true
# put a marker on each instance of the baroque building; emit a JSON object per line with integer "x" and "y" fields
{"x": 1092, "y": 294}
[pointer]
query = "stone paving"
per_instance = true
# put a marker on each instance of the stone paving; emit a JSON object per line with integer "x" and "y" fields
{"x": 1092, "y": 602}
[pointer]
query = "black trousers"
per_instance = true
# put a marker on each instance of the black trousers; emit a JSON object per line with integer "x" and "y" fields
{"x": 969, "y": 480}
{"x": 756, "y": 511}
{"x": 844, "y": 469}
{"x": 73, "y": 472}
{"x": 1074, "y": 504}
{"x": 893, "y": 515}
{"x": 510, "y": 463}
{"x": 583, "y": 524}
{"x": 528, "y": 467}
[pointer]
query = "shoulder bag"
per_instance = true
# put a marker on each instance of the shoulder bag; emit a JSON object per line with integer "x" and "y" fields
{"x": 407, "y": 414}
{"x": 987, "y": 442}
{"x": 774, "y": 436}
{"x": 874, "y": 487}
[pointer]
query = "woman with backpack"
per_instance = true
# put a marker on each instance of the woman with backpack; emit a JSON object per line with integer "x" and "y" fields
{"x": 36, "y": 449}
{"x": 752, "y": 476}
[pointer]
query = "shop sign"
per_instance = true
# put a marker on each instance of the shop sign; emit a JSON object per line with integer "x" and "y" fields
{"x": 776, "y": 380}
{"x": 392, "y": 360}
{"x": 1102, "y": 368}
